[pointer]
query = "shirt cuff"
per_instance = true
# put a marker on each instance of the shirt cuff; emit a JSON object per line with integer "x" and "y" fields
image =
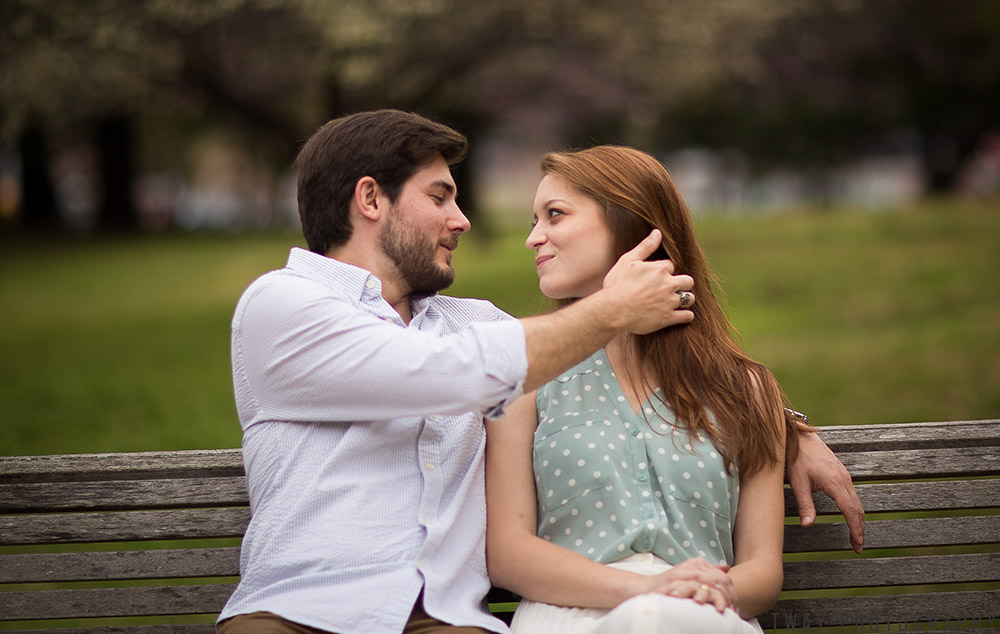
{"x": 504, "y": 351}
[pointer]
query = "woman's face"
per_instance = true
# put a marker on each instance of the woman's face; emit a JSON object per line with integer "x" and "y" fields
{"x": 572, "y": 241}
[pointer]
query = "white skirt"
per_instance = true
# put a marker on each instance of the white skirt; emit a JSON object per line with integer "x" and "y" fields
{"x": 643, "y": 614}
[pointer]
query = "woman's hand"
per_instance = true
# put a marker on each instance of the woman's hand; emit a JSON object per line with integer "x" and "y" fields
{"x": 699, "y": 580}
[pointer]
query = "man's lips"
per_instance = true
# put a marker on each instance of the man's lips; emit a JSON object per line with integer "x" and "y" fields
{"x": 542, "y": 259}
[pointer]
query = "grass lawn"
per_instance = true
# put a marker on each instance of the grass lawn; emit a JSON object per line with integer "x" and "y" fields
{"x": 865, "y": 317}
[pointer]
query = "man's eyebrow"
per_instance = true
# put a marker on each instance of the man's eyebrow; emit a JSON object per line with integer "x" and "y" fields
{"x": 445, "y": 185}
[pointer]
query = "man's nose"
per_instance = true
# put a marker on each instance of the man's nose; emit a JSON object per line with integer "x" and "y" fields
{"x": 458, "y": 223}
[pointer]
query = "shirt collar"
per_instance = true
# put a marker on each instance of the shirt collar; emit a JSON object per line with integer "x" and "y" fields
{"x": 358, "y": 282}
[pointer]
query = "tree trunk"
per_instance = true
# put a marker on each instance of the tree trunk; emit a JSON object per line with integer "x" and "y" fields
{"x": 116, "y": 151}
{"x": 38, "y": 210}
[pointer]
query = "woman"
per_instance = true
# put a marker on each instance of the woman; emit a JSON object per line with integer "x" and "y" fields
{"x": 642, "y": 490}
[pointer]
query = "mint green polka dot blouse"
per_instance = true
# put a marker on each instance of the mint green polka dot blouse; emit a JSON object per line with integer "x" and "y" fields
{"x": 612, "y": 483}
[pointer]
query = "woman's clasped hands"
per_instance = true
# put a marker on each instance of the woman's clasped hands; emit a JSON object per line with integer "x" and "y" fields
{"x": 699, "y": 580}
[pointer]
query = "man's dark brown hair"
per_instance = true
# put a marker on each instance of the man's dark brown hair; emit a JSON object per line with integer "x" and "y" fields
{"x": 388, "y": 145}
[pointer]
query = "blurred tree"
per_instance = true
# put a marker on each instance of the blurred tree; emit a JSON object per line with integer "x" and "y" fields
{"x": 103, "y": 64}
{"x": 840, "y": 78}
{"x": 37, "y": 190}
{"x": 792, "y": 80}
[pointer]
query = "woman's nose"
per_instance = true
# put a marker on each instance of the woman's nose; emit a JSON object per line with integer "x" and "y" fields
{"x": 535, "y": 238}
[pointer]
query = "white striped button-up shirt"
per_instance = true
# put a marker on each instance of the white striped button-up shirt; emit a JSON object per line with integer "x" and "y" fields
{"x": 363, "y": 441}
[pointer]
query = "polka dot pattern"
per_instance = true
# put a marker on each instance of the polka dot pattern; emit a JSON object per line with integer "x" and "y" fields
{"x": 655, "y": 489}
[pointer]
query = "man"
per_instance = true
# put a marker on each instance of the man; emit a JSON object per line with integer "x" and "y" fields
{"x": 362, "y": 392}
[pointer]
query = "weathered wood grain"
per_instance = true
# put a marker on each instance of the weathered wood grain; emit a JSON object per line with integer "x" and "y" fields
{"x": 892, "y": 571}
{"x": 890, "y": 436}
{"x": 117, "y": 565}
{"x": 122, "y": 466}
{"x": 963, "y": 610}
{"x": 106, "y": 495}
{"x": 70, "y": 528}
{"x": 913, "y": 496}
{"x": 113, "y": 602}
{"x": 909, "y": 533}
{"x": 912, "y": 469}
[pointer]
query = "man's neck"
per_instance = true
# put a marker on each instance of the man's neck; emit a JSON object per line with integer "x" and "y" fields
{"x": 393, "y": 290}
{"x": 402, "y": 307}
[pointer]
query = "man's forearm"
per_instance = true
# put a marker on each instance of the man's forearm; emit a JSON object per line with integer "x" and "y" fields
{"x": 559, "y": 340}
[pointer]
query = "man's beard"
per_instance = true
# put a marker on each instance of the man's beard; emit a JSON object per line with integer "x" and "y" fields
{"x": 414, "y": 257}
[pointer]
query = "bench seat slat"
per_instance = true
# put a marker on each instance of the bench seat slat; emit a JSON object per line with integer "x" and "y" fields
{"x": 113, "y": 602}
{"x": 123, "y": 494}
{"x": 893, "y": 571}
{"x": 117, "y": 565}
{"x": 914, "y": 496}
{"x": 937, "y": 531}
{"x": 74, "y": 528}
{"x": 834, "y": 611}
{"x": 175, "y": 628}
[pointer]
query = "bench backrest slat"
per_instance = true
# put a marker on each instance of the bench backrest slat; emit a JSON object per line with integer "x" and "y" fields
{"x": 916, "y": 496}
{"x": 903, "y": 533}
{"x": 199, "y": 463}
{"x": 963, "y": 609}
{"x": 922, "y": 463}
{"x": 892, "y": 571}
{"x": 885, "y": 437}
{"x": 118, "y": 565}
{"x": 124, "y": 494}
{"x": 72, "y": 528}
{"x": 116, "y": 602}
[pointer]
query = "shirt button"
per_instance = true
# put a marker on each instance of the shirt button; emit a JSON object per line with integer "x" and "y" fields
{"x": 429, "y": 466}
{"x": 642, "y": 477}
{"x": 645, "y": 543}
{"x": 635, "y": 432}
{"x": 420, "y": 564}
{"x": 370, "y": 284}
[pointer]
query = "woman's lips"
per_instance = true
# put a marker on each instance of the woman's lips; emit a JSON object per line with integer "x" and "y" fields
{"x": 542, "y": 259}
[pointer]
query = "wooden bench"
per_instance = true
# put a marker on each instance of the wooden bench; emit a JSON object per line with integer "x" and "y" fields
{"x": 148, "y": 543}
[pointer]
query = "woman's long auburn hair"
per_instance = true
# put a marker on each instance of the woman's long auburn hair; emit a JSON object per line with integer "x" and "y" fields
{"x": 699, "y": 366}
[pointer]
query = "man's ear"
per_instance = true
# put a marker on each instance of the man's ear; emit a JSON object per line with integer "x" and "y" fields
{"x": 366, "y": 198}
